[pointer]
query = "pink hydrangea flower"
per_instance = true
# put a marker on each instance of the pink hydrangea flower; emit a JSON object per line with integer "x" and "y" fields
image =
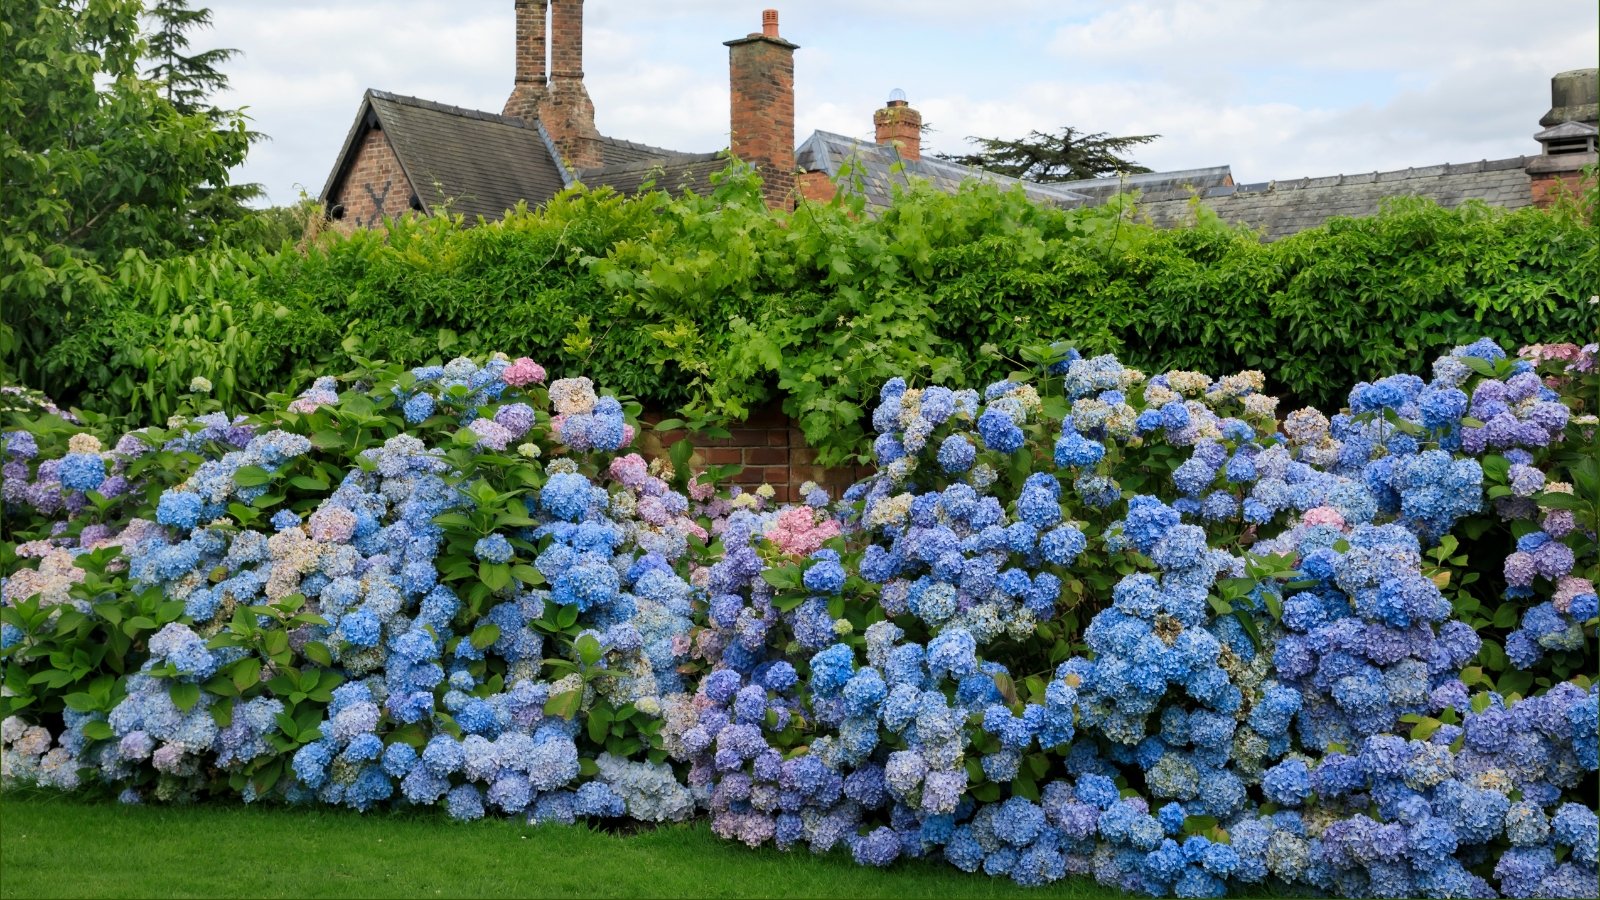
{"x": 1570, "y": 586}
{"x": 523, "y": 372}
{"x": 1323, "y": 515}
{"x": 631, "y": 470}
{"x": 797, "y": 532}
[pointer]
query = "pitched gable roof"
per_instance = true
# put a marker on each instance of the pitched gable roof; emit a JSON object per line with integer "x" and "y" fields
{"x": 482, "y": 164}
{"x": 873, "y": 163}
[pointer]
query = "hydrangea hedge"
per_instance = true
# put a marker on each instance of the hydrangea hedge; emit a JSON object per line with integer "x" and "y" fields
{"x": 1091, "y": 622}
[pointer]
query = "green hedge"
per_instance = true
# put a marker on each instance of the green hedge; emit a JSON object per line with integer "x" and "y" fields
{"x": 712, "y": 305}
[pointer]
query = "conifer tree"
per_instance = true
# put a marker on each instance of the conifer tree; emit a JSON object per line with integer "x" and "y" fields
{"x": 1070, "y": 155}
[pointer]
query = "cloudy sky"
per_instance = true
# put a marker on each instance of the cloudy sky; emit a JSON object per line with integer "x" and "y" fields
{"x": 1274, "y": 88}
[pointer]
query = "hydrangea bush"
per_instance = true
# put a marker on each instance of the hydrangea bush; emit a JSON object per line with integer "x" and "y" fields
{"x": 443, "y": 585}
{"x": 1150, "y": 629}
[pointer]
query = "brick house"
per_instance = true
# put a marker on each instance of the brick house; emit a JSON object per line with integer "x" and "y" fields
{"x": 405, "y": 154}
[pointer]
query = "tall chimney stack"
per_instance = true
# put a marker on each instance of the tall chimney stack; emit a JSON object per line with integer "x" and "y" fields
{"x": 899, "y": 126}
{"x": 568, "y": 113}
{"x": 761, "y": 109}
{"x": 1571, "y": 137}
{"x": 528, "y": 92}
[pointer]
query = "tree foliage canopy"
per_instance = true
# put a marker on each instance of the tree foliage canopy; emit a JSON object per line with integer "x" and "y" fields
{"x": 1070, "y": 155}
{"x": 97, "y": 162}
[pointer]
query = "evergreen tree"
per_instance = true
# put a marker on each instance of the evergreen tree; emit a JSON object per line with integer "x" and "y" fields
{"x": 98, "y": 169}
{"x": 1070, "y": 155}
{"x": 189, "y": 80}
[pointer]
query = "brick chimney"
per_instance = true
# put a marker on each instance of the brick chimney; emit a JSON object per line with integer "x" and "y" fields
{"x": 761, "y": 76}
{"x": 1570, "y": 137}
{"x": 568, "y": 113}
{"x": 900, "y": 126}
{"x": 528, "y": 93}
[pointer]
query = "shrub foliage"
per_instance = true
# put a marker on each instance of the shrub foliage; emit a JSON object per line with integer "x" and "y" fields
{"x": 713, "y": 305}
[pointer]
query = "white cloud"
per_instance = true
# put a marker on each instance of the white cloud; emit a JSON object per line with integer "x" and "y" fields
{"x": 1277, "y": 89}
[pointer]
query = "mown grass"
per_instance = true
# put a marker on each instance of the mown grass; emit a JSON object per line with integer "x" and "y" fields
{"x": 55, "y": 845}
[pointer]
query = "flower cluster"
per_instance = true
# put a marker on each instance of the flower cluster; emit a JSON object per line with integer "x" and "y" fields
{"x": 1137, "y": 628}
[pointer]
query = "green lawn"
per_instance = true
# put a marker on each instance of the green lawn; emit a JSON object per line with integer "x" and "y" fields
{"x": 61, "y": 846}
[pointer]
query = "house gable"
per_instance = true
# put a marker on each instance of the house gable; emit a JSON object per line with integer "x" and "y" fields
{"x": 374, "y": 187}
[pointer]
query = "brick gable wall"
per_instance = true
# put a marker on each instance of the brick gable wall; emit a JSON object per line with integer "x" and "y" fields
{"x": 376, "y": 189}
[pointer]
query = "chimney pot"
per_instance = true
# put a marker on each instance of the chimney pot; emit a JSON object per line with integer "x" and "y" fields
{"x": 769, "y": 23}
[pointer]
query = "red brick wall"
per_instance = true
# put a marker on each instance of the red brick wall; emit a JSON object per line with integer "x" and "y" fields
{"x": 901, "y": 126}
{"x": 528, "y": 92}
{"x": 375, "y": 189}
{"x": 770, "y": 448}
{"x": 815, "y": 186}
{"x": 1545, "y": 190}
{"x": 761, "y": 111}
{"x": 568, "y": 113}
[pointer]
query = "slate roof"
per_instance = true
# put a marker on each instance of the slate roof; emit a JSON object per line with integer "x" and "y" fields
{"x": 1147, "y": 183}
{"x": 674, "y": 173}
{"x": 1279, "y": 208}
{"x": 618, "y": 152}
{"x": 482, "y": 163}
{"x": 827, "y": 152}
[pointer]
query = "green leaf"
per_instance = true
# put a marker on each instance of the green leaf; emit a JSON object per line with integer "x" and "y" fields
{"x": 588, "y": 648}
{"x": 317, "y": 652}
{"x": 563, "y": 705}
{"x": 97, "y": 731}
{"x": 1558, "y": 500}
{"x": 80, "y": 702}
{"x": 246, "y": 672}
{"x": 566, "y": 617}
{"x": 599, "y": 724}
{"x": 783, "y": 578}
{"x": 251, "y": 476}
{"x": 494, "y": 575}
{"x": 1198, "y": 824}
{"x": 1425, "y": 728}
{"x": 185, "y": 694}
{"x": 485, "y": 634}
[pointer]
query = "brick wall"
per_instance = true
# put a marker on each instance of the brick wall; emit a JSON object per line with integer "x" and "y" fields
{"x": 815, "y": 186}
{"x": 1545, "y": 186}
{"x": 770, "y": 448}
{"x": 376, "y": 188}
{"x": 568, "y": 113}
{"x": 899, "y": 126}
{"x": 528, "y": 92}
{"x": 761, "y": 108}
